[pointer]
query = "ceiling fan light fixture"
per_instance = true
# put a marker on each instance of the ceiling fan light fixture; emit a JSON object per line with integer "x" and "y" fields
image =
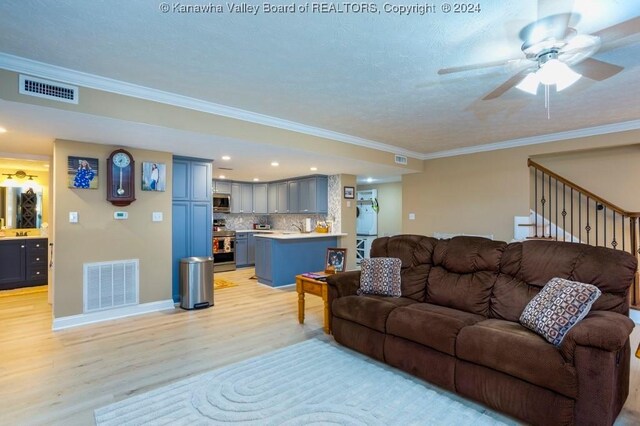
{"x": 554, "y": 71}
{"x": 530, "y": 83}
{"x": 566, "y": 79}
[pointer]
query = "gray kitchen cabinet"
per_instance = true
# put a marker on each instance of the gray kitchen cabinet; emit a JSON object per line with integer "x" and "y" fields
{"x": 313, "y": 195}
{"x": 251, "y": 248}
{"x": 247, "y": 198}
{"x": 260, "y": 198}
{"x": 278, "y": 197}
{"x": 241, "y": 198}
{"x": 221, "y": 187}
{"x": 241, "y": 249}
{"x": 293, "y": 191}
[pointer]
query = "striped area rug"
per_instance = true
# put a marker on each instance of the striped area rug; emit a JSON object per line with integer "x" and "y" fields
{"x": 310, "y": 382}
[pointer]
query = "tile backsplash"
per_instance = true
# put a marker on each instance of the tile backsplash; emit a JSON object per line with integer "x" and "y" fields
{"x": 283, "y": 222}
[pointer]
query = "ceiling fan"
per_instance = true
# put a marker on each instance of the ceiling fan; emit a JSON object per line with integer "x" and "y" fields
{"x": 555, "y": 53}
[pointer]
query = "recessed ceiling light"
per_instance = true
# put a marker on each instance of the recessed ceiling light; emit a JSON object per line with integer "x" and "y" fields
{"x": 256, "y": 180}
{"x": 222, "y": 177}
{"x": 3, "y": 130}
{"x": 369, "y": 180}
{"x": 313, "y": 169}
{"x": 226, "y": 158}
{"x": 275, "y": 163}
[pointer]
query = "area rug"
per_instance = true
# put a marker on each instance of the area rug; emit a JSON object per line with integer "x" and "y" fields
{"x": 219, "y": 283}
{"x": 310, "y": 382}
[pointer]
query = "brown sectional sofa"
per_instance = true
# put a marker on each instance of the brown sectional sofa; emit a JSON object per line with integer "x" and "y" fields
{"x": 456, "y": 324}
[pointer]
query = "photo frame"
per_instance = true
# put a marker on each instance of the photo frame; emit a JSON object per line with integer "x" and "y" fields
{"x": 349, "y": 192}
{"x": 335, "y": 261}
{"x": 154, "y": 176}
{"x": 82, "y": 172}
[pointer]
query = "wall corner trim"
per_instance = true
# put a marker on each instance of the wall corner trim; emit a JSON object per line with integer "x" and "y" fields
{"x": 111, "y": 314}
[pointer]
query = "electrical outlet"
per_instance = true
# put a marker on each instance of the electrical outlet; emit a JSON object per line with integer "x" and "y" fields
{"x": 412, "y": 216}
{"x": 156, "y": 216}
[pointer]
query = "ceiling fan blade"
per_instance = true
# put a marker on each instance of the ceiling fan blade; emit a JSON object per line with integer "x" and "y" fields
{"x": 618, "y": 31}
{"x": 451, "y": 70}
{"x": 499, "y": 91}
{"x": 597, "y": 70}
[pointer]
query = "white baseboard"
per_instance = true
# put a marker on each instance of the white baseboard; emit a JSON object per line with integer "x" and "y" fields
{"x": 634, "y": 314}
{"x": 127, "y": 311}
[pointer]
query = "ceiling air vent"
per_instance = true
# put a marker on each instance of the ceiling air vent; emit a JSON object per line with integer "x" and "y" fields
{"x": 401, "y": 159}
{"x": 48, "y": 89}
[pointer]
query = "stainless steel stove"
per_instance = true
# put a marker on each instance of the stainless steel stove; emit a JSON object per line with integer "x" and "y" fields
{"x": 224, "y": 247}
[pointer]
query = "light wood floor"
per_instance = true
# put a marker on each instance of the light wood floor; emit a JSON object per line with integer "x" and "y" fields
{"x": 60, "y": 378}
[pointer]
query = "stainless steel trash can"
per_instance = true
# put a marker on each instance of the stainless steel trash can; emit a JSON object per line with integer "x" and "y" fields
{"x": 196, "y": 282}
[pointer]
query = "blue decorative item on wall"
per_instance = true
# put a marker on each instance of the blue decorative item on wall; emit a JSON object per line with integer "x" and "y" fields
{"x": 83, "y": 172}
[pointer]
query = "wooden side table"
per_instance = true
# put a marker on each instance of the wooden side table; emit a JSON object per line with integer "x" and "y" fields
{"x": 318, "y": 288}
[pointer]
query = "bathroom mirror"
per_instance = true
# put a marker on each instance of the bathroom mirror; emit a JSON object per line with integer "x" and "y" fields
{"x": 20, "y": 207}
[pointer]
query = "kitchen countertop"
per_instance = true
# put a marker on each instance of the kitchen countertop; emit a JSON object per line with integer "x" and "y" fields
{"x": 268, "y": 231}
{"x": 28, "y": 237}
{"x": 287, "y": 235}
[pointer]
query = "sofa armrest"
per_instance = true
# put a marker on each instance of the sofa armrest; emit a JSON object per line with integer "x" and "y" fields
{"x": 344, "y": 283}
{"x": 604, "y": 330}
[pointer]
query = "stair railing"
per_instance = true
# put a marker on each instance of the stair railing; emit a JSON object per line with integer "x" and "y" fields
{"x": 573, "y": 213}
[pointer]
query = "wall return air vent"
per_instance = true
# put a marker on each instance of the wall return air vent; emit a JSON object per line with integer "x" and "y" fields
{"x": 401, "y": 159}
{"x": 108, "y": 285}
{"x": 41, "y": 88}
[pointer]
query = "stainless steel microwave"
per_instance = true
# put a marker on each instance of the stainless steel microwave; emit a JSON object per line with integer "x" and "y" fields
{"x": 222, "y": 203}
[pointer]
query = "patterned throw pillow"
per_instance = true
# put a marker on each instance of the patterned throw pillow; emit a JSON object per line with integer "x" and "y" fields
{"x": 380, "y": 275}
{"x": 558, "y": 307}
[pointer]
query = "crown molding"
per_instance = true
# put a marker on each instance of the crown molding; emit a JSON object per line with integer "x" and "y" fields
{"x": 535, "y": 140}
{"x": 79, "y": 78}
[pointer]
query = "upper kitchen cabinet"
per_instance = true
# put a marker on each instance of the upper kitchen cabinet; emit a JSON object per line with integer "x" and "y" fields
{"x": 293, "y": 191}
{"x": 241, "y": 198}
{"x": 313, "y": 195}
{"x": 221, "y": 187}
{"x": 278, "y": 197}
{"x": 260, "y": 198}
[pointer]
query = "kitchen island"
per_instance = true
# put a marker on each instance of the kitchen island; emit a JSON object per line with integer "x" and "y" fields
{"x": 282, "y": 256}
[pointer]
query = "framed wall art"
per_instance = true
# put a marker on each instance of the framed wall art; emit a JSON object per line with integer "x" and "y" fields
{"x": 154, "y": 176}
{"x": 82, "y": 172}
{"x": 349, "y": 192}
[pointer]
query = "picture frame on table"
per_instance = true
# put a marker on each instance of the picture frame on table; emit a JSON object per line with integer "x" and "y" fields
{"x": 335, "y": 261}
{"x": 349, "y": 192}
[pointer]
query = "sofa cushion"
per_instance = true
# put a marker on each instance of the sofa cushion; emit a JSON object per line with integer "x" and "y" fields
{"x": 380, "y": 275}
{"x": 415, "y": 252}
{"x": 368, "y": 310}
{"x": 463, "y": 273}
{"x": 558, "y": 307}
{"x": 431, "y": 325}
{"x": 513, "y": 349}
{"x": 527, "y": 266}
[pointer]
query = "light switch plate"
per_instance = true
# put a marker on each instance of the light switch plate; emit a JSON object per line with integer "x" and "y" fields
{"x": 73, "y": 217}
{"x": 156, "y": 216}
{"x": 412, "y": 216}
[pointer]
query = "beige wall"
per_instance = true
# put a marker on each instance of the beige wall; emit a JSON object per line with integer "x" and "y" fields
{"x": 612, "y": 172}
{"x": 390, "y": 204}
{"x": 348, "y": 221}
{"x": 42, "y": 179}
{"x": 98, "y": 237}
{"x": 481, "y": 193}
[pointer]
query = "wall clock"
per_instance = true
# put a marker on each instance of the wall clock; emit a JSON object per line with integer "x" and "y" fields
{"x": 120, "y": 178}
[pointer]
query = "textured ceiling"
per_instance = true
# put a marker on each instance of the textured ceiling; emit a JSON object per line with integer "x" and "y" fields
{"x": 372, "y": 76}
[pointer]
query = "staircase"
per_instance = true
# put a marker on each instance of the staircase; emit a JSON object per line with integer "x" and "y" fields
{"x": 564, "y": 211}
